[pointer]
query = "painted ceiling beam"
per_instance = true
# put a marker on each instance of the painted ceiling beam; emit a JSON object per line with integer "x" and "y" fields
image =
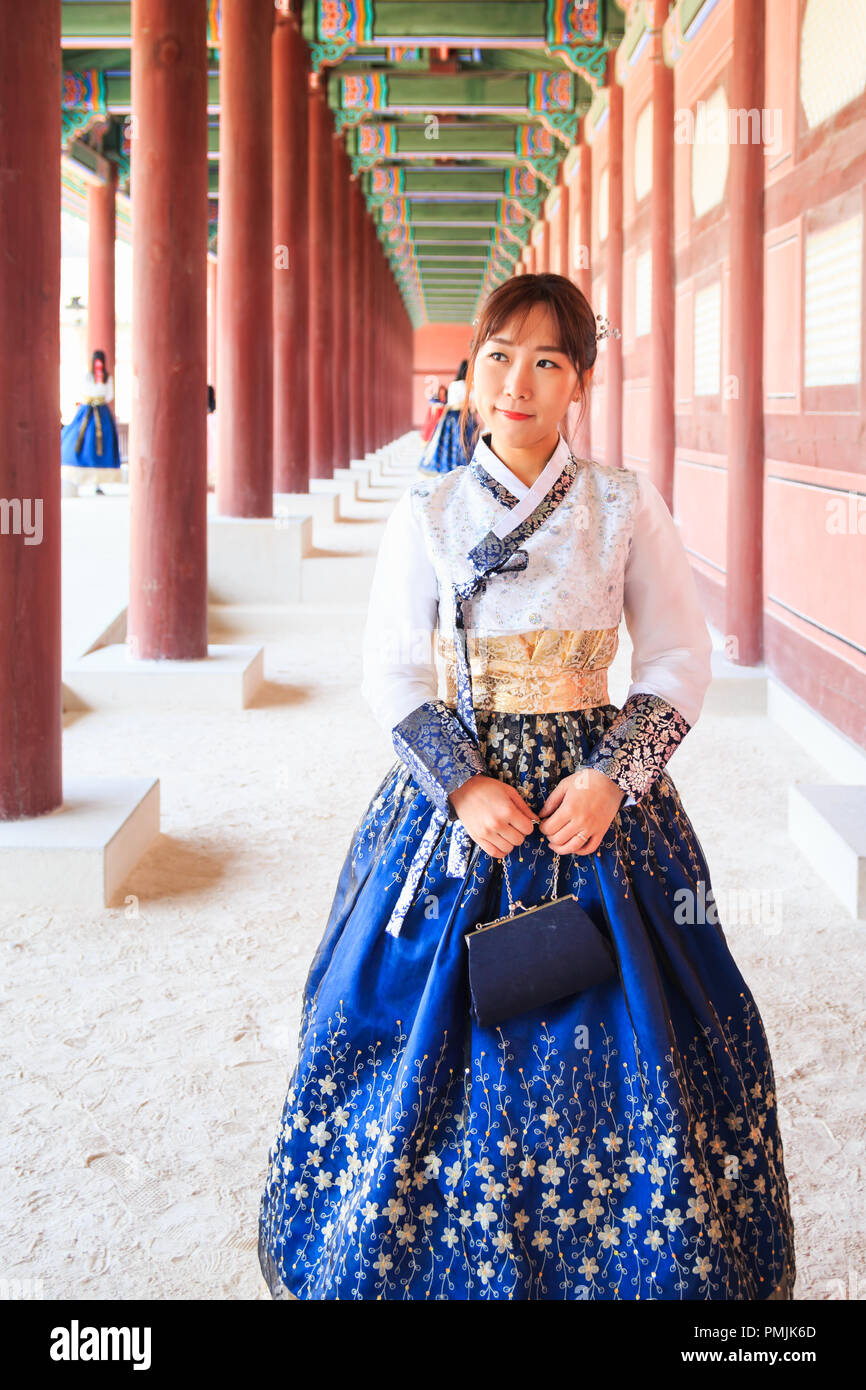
{"x": 556, "y": 99}
{"x": 579, "y": 35}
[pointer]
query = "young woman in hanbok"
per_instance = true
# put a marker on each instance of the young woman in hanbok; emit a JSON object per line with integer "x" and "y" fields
{"x": 446, "y": 448}
{"x": 623, "y": 1142}
{"x": 435, "y": 407}
{"x": 90, "y": 440}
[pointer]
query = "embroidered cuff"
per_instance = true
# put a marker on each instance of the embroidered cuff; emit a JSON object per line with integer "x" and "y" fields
{"x": 438, "y": 751}
{"x": 633, "y": 751}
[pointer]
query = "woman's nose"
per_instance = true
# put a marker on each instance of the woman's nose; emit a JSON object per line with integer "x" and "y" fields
{"x": 517, "y": 381}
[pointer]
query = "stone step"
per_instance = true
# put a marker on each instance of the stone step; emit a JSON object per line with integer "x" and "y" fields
{"x": 328, "y": 579}
{"x": 109, "y": 678}
{"x": 735, "y": 690}
{"x": 270, "y": 622}
{"x": 80, "y": 855}
{"x": 828, "y": 825}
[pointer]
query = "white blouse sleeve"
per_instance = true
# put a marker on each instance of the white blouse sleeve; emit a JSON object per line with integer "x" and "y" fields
{"x": 671, "y": 640}
{"x": 671, "y": 659}
{"x": 399, "y": 672}
{"x": 400, "y": 677}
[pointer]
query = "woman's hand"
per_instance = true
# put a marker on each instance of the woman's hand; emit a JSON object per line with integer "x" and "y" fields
{"x": 495, "y": 815}
{"x": 576, "y": 815}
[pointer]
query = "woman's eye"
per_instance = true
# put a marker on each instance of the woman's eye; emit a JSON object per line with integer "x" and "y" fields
{"x": 496, "y": 353}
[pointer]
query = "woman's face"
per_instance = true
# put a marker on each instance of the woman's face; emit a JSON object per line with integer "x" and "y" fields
{"x": 98, "y": 370}
{"x": 523, "y": 383}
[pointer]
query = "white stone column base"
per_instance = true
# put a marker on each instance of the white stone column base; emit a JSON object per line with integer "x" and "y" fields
{"x": 229, "y": 677}
{"x": 80, "y": 855}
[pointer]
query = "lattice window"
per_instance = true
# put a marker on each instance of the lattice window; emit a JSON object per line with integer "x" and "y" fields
{"x": 832, "y": 57}
{"x": 833, "y": 304}
{"x": 643, "y": 153}
{"x": 708, "y": 340}
{"x": 642, "y": 293}
{"x": 710, "y": 152}
{"x": 602, "y": 204}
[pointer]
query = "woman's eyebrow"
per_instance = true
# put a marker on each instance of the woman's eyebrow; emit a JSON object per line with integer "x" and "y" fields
{"x": 545, "y": 347}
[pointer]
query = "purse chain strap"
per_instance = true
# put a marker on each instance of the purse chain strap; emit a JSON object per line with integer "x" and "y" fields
{"x": 512, "y": 903}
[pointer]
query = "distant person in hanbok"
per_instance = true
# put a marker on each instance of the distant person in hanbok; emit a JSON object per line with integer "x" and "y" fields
{"x": 621, "y": 1143}
{"x": 446, "y": 448}
{"x": 211, "y": 438}
{"x": 90, "y": 440}
{"x": 435, "y": 407}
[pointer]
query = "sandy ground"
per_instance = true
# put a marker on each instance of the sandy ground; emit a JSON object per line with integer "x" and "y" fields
{"x": 146, "y": 1049}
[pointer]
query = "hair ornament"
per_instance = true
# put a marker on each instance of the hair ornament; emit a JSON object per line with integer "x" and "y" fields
{"x": 604, "y": 328}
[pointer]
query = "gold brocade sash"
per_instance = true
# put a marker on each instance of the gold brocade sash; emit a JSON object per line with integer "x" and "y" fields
{"x": 92, "y": 402}
{"x": 537, "y": 672}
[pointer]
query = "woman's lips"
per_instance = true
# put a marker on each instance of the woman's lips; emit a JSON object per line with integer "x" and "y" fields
{"x": 513, "y": 414}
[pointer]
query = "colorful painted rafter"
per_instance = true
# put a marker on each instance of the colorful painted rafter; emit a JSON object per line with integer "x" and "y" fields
{"x": 340, "y": 26}
{"x": 82, "y": 101}
{"x": 377, "y": 141}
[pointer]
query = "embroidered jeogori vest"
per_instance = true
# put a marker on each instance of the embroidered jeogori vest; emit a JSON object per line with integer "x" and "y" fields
{"x": 576, "y": 556}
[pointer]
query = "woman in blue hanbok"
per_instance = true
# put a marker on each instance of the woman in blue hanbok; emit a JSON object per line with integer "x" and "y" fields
{"x": 90, "y": 439}
{"x": 435, "y": 407}
{"x": 620, "y": 1143}
{"x": 446, "y": 447}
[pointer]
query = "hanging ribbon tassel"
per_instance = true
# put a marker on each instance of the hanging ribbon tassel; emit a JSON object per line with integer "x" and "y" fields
{"x": 490, "y": 556}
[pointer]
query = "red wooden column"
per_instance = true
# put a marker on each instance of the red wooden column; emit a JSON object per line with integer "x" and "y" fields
{"x": 388, "y": 344}
{"x": 374, "y": 335}
{"x": 382, "y": 344}
{"x": 744, "y": 590}
{"x": 320, "y": 280}
{"x": 542, "y": 255}
{"x": 290, "y": 65}
{"x": 211, "y": 321}
{"x": 387, "y": 351}
{"x": 375, "y": 327}
{"x": 563, "y": 217}
{"x": 661, "y": 366}
{"x": 582, "y": 272}
{"x": 396, "y": 374}
{"x": 368, "y": 335}
{"x": 355, "y": 383}
{"x": 167, "y": 615}
{"x": 408, "y": 356}
{"x": 245, "y": 409}
{"x": 30, "y": 689}
{"x": 402, "y": 353}
{"x": 530, "y": 259}
{"x": 613, "y": 372}
{"x": 101, "y": 199}
{"x": 400, "y": 374}
{"x": 340, "y": 298}
{"x": 580, "y": 248}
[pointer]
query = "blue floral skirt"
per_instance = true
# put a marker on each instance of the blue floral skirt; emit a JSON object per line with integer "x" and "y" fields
{"x": 622, "y": 1143}
{"x": 445, "y": 448}
{"x": 90, "y": 439}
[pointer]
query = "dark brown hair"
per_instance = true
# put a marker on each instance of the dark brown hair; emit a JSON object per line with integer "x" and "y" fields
{"x": 571, "y": 312}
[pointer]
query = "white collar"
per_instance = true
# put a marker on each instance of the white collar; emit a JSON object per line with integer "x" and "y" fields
{"x": 502, "y": 473}
{"x": 527, "y": 498}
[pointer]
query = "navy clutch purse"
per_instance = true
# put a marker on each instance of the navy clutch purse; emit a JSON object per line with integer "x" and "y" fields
{"x": 534, "y": 957}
